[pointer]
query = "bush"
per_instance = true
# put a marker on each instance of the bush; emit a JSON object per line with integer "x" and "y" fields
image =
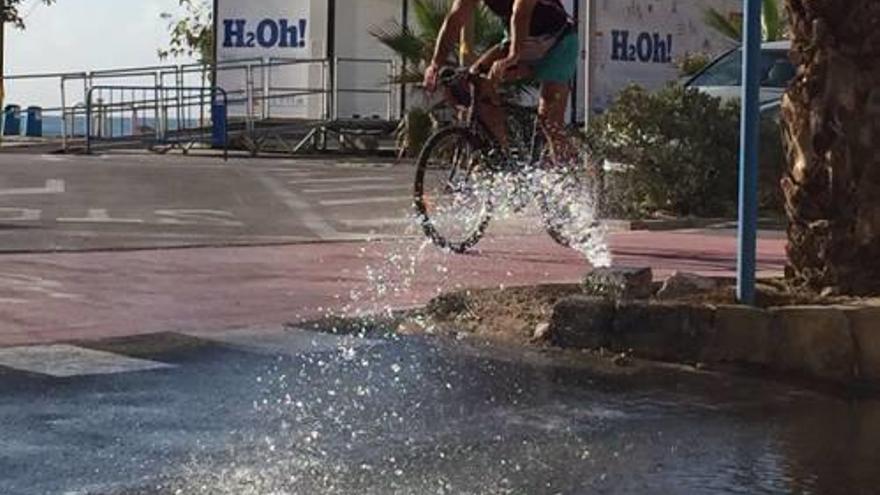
{"x": 678, "y": 152}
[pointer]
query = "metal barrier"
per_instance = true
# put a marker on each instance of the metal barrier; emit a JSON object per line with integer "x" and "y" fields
{"x": 124, "y": 115}
{"x": 259, "y": 94}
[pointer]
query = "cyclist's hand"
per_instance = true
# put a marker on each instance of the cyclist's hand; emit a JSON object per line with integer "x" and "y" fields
{"x": 431, "y": 74}
{"x": 500, "y": 68}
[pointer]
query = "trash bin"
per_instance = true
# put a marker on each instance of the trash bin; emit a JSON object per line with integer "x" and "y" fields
{"x": 12, "y": 120}
{"x": 219, "y": 122}
{"x": 34, "y": 126}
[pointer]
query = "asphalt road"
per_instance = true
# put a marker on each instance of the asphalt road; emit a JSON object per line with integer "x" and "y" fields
{"x": 289, "y": 412}
{"x": 56, "y": 202}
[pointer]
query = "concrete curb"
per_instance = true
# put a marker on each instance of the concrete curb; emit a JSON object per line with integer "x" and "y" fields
{"x": 666, "y": 224}
{"x": 838, "y": 344}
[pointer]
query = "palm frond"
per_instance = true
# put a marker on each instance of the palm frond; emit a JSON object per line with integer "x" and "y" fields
{"x": 429, "y": 16}
{"x": 489, "y": 29}
{"x": 401, "y": 40}
{"x": 772, "y": 21}
{"x": 724, "y": 25}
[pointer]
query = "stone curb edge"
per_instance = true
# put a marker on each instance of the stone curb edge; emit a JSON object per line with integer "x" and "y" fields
{"x": 839, "y": 344}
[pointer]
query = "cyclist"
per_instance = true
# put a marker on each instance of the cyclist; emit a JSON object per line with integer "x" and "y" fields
{"x": 541, "y": 43}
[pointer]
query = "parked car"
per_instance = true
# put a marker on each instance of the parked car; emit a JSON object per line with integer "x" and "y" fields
{"x": 723, "y": 77}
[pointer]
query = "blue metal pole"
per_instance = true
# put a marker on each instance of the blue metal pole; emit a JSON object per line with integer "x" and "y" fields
{"x": 749, "y": 139}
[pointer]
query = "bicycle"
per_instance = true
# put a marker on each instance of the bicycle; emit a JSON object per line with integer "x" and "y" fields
{"x": 471, "y": 165}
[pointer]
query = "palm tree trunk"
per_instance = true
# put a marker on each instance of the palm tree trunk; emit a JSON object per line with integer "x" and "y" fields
{"x": 831, "y": 131}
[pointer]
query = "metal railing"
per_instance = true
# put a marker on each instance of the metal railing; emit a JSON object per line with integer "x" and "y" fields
{"x": 257, "y": 90}
{"x": 140, "y": 114}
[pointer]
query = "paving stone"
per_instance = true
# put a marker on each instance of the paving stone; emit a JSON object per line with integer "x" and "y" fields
{"x": 741, "y": 334}
{"x": 670, "y": 332}
{"x": 682, "y": 284}
{"x": 815, "y": 341}
{"x": 865, "y": 326}
{"x": 582, "y": 322}
{"x": 620, "y": 283}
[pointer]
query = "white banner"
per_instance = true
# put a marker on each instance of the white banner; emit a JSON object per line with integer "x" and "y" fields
{"x": 640, "y": 41}
{"x": 258, "y": 31}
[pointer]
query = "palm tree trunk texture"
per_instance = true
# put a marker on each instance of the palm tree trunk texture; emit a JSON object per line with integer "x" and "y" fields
{"x": 831, "y": 117}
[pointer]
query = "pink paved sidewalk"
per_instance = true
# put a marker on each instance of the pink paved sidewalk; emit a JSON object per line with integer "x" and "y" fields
{"x": 56, "y": 297}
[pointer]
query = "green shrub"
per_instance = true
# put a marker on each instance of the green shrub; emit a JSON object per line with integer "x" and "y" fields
{"x": 678, "y": 152}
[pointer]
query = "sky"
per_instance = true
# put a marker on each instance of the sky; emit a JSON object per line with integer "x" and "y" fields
{"x": 82, "y": 35}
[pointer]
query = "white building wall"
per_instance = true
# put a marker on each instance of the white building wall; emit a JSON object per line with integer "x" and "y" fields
{"x": 354, "y": 21}
{"x": 625, "y": 41}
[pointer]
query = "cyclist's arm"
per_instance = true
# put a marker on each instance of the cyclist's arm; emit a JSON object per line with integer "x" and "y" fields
{"x": 520, "y": 24}
{"x": 461, "y": 13}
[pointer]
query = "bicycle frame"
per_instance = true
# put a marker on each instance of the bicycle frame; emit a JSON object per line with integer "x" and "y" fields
{"x": 475, "y": 122}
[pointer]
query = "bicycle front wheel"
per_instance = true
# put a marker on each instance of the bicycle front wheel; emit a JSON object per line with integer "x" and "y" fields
{"x": 453, "y": 189}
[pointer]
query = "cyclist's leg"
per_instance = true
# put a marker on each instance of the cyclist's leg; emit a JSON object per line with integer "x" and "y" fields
{"x": 489, "y": 105}
{"x": 555, "y": 71}
{"x": 551, "y": 112}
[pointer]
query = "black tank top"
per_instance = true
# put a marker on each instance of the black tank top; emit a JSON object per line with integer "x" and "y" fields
{"x": 549, "y": 16}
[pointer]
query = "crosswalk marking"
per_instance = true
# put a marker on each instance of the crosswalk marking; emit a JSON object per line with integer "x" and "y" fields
{"x": 53, "y": 186}
{"x": 98, "y": 215}
{"x": 65, "y": 361}
{"x": 365, "y": 201}
{"x": 352, "y": 189}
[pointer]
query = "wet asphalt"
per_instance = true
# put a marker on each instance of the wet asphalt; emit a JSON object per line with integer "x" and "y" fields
{"x": 296, "y": 412}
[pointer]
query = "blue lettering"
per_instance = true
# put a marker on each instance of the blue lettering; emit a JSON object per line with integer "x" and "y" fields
{"x": 662, "y": 49}
{"x": 648, "y": 47}
{"x": 267, "y": 33}
{"x": 645, "y": 47}
{"x": 234, "y": 33}
{"x": 619, "y": 45}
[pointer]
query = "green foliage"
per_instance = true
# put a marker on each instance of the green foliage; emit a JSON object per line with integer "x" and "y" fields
{"x": 678, "y": 153}
{"x": 10, "y": 13}
{"x": 692, "y": 63}
{"x": 415, "y": 45}
{"x": 772, "y": 22}
{"x": 192, "y": 33}
{"x": 414, "y": 131}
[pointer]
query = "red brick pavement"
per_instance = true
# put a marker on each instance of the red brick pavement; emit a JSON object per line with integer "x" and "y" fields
{"x": 71, "y": 296}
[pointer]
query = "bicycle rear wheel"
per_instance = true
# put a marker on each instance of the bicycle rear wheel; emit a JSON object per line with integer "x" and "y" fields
{"x": 453, "y": 189}
{"x": 570, "y": 200}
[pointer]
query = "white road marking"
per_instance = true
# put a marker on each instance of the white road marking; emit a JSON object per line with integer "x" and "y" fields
{"x": 217, "y": 218}
{"x": 98, "y": 215}
{"x": 351, "y": 189}
{"x": 65, "y": 361}
{"x": 341, "y": 180}
{"x": 301, "y": 208}
{"x": 365, "y": 201}
{"x": 20, "y": 215}
{"x": 378, "y": 222}
{"x": 53, "y": 186}
{"x": 54, "y": 158}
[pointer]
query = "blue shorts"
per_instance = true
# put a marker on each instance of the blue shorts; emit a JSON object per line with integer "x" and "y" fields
{"x": 559, "y": 64}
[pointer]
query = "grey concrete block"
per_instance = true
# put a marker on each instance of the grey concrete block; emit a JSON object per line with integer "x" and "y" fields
{"x": 865, "y": 326}
{"x": 670, "y": 332}
{"x": 815, "y": 341}
{"x": 620, "y": 283}
{"x": 582, "y": 322}
{"x": 741, "y": 334}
